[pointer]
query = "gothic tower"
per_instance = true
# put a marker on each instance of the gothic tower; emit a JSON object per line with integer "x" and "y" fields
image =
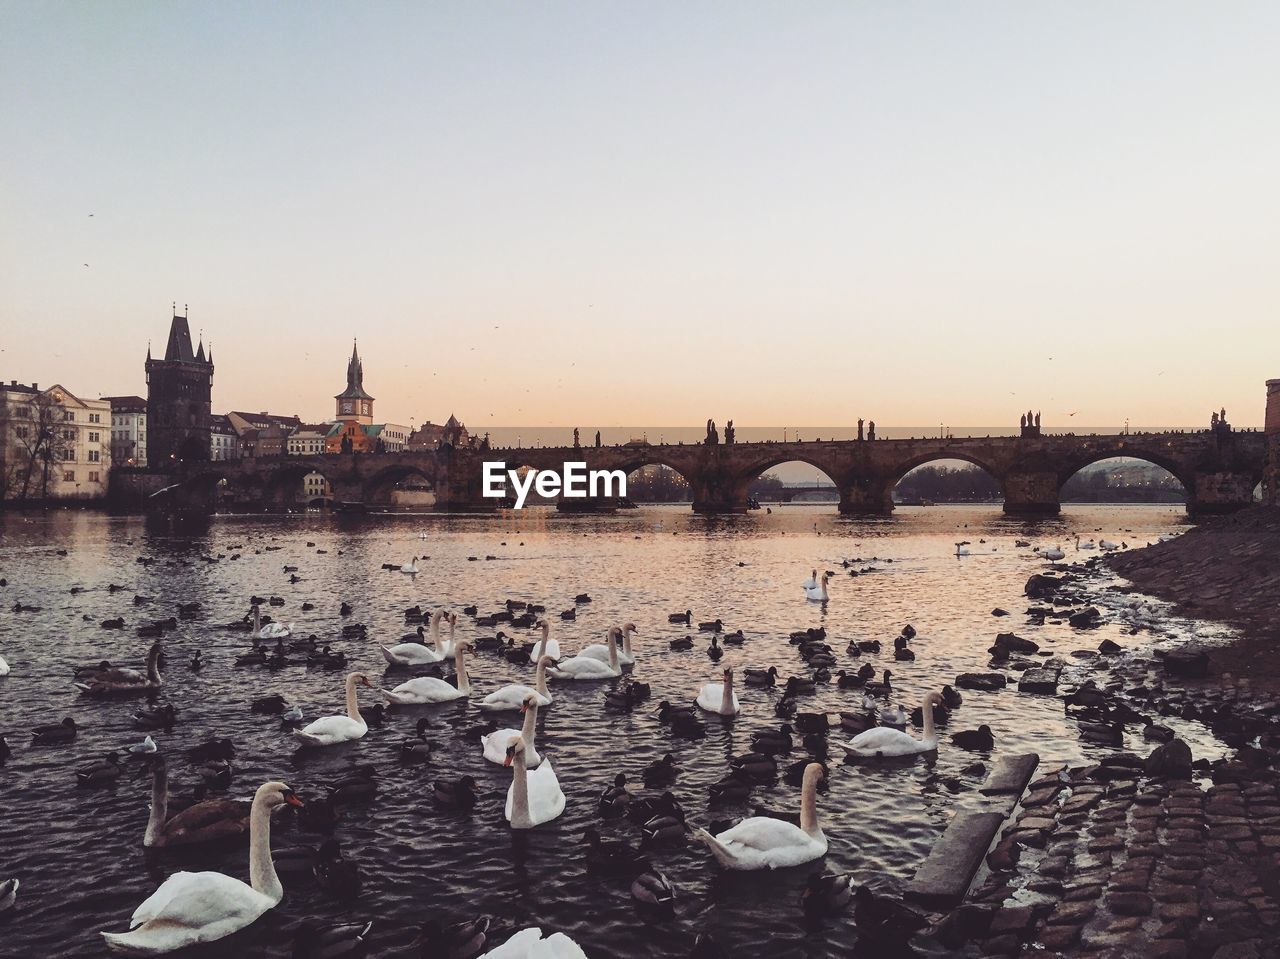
{"x": 179, "y": 395}
{"x": 353, "y": 403}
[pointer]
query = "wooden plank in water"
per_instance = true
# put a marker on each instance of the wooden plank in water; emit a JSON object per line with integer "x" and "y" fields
{"x": 1011, "y": 775}
{"x": 945, "y": 876}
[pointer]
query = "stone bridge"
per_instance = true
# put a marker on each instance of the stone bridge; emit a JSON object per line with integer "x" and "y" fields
{"x": 1219, "y": 469}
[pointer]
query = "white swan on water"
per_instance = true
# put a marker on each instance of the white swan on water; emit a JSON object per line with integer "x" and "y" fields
{"x": 417, "y": 654}
{"x": 817, "y": 594}
{"x": 495, "y": 744}
{"x": 763, "y": 842}
{"x": 195, "y": 907}
{"x": 600, "y": 651}
{"x": 529, "y": 944}
{"x": 427, "y": 690}
{"x": 720, "y": 697}
{"x": 884, "y": 741}
{"x": 270, "y": 630}
{"x": 811, "y": 582}
{"x": 410, "y": 567}
{"x": 329, "y": 730}
{"x": 547, "y": 646}
{"x": 584, "y": 667}
{"x": 534, "y": 797}
{"x": 1051, "y": 553}
{"x": 512, "y": 696}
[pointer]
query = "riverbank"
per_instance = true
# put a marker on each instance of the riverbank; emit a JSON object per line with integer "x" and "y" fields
{"x": 1227, "y": 569}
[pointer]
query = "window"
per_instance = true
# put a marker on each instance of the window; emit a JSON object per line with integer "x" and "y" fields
{"x": 95, "y": 418}
{"x": 69, "y": 416}
{"x": 68, "y": 455}
{"x": 95, "y": 438}
{"x": 93, "y": 476}
{"x": 69, "y": 435}
{"x": 68, "y": 476}
{"x": 93, "y": 456}
{"x": 22, "y": 432}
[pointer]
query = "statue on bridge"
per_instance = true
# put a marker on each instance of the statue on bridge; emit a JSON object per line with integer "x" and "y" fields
{"x": 1022, "y": 422}
{"x": 728, "y": 433}
{"x": 860, "y": 436}
{"x": 576, "y": 444}
{"x": 347, "y": 446}
{"x": 1037, "y": 421}
{"x": 597, "y": 439}
{"x": 871, "y": 430}
{"x": 713, "y": 438}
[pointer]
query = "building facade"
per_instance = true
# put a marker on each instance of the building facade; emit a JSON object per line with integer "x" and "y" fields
{"x": 1271, "y": 481}
{"x": 263, "y": 434}
{"x": 430, "y": 436}
{"x": 128, "y": 430}
{"x": 224, "y": 441}
{"x": 308, "y": 439}
{"x": 53, "y": 444}
{"x": 179, "y": 400}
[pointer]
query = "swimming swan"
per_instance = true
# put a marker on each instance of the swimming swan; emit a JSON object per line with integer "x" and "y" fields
{"x": 329, "y": 730}
{"x": 584, "y": 667}
{"x": 885, "y": 742}
{"x": 495, "y": 744}
{"x": 818, "y": 593}
{"x": 428, "y": 690}
{"x": 762, "y": 842}
{"x": 600, "y": 651}
{"x": 195, "y": 907}
{"x": 512, "y": 696}
{"x": 534, "y": 797}
{"x": 720, "y": 697}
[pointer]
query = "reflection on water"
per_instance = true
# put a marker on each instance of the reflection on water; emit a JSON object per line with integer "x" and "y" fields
{"x": 79, "y": 854}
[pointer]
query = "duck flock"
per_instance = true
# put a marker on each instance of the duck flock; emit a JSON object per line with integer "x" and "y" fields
{"x": 422, "y": 681}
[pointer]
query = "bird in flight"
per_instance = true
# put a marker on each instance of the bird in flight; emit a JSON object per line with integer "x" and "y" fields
{"x": 1073, "y": 414}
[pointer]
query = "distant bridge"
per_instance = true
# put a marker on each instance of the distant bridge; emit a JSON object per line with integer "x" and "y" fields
{"x": 1219, "y": 469}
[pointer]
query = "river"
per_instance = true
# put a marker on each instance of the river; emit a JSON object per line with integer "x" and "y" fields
{"x": 79, "y": 852}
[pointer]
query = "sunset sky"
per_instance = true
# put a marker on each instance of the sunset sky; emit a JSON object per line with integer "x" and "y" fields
{"x": 652, "y": 213}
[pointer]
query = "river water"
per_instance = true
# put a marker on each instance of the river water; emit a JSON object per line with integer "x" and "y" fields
{"x": 79, "y": 852}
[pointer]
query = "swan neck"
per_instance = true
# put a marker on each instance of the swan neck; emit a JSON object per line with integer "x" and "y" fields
{"x": 435, "y": 629}
{"x": 613, "y": 652}
{"x": 519, "y": 790}
{"x": 542, "y": 644}
{"x": 809, "y": 800}
{"x": 153, "y": 665}
{"x": 159, "y": 805}
{"x": 540, "y": 679}
{"x": 262, "y": 871}
{"x": 626, "y": 641}
{"x": 530, "y": 728}
{"x": 726, "y": 700}
{"x": 926, "y": 711}
{"x": 460, "y": 666}
{"x": 353, "y": 700}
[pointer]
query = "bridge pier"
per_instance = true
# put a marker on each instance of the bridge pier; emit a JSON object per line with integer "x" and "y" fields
{"x": 1215, "y": 494}
{"x": 1033, "y": 493}
{"x": 866, "y": 497}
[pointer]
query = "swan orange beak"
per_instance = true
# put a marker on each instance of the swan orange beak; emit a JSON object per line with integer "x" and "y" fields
{"x": 506, "y": 761}
{"x": 292, "y": 799}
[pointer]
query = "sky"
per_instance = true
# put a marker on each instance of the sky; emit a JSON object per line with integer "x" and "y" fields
{"x": 639, "y": 213}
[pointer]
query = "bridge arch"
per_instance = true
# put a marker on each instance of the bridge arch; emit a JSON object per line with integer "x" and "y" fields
{"x": 986, "y": 486}
{"x": 750, "y": 484}
{"x": 1106, "y": 485}
{"x": 379, "y": 487}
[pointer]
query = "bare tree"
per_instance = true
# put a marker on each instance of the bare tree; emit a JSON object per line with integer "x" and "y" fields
{"x": 40, "y": 441}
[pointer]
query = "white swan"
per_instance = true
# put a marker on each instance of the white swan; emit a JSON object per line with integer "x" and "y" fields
{"x": 812, "y": 581}
{"x": 817, "y": 594}
{"x": 270, "y": 630}
{"x": 720, "y": 697}
{"x": 495, "y": 744}
{"x": 329, "y": 730}
{"x": 1052, "y": 553}
{"x": 884, "y": 741}
{"x": 410, "y": 567}
{"x": 194, "y": 907}
{"x": 584, "y": 667}
{"x": 962, "y": 550}
{"x": 512, "y": 696}
{"x": 4, "y": 667}
{"x": 445, "y": 646}
{"x": 534, "y": 797}
{"x": 529, "y": 944}
{"x": 1087, "y": 545}
{"x": 762, "y": 842}
{"x": 548, "y": 647}
{"x": 427, "y": 690}
{"x": 600, "y": 651}
{"x": 1108, "y": 545}
{"x": 417, "y": 654}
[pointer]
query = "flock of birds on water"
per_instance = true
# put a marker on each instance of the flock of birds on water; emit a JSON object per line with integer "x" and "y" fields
{"x": 200, "y": 907}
